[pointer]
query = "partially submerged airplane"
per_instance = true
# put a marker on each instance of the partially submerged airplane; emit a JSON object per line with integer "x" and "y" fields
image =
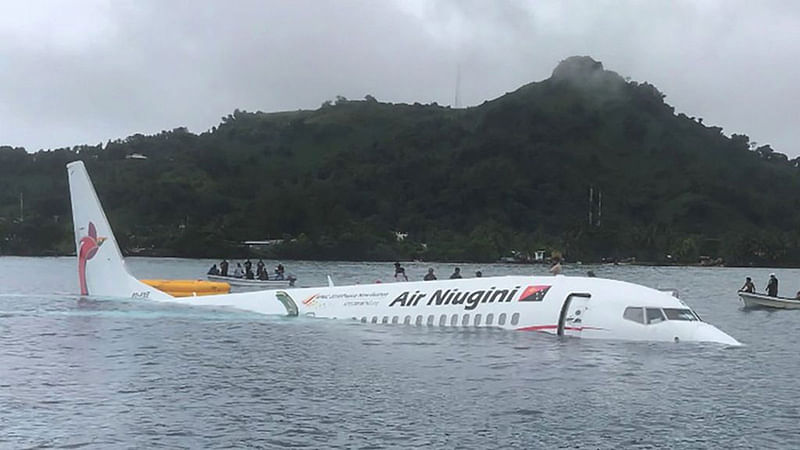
{"x": 566, "y": 306}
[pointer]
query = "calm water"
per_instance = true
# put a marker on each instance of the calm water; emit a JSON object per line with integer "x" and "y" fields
{"x": 132, "y": 374}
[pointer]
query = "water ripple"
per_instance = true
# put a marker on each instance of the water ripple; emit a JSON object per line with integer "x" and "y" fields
{"x": 88, "y": 373}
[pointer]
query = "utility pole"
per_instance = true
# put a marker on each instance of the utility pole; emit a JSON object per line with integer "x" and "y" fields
{"x": 599, "y": 206}
{"x": 595, "y": 202}
{"x": 21, "y": 207}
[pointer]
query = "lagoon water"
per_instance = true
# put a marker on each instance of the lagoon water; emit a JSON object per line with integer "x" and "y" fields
{"x": 104, "y": 373}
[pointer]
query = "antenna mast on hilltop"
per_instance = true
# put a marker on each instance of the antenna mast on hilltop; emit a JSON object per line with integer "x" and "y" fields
{"x": 457, "y": 102}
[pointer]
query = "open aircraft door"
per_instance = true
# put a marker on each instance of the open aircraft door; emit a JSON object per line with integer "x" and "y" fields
{"x": 288, "y": 303}
{"x": 573, "y": 312}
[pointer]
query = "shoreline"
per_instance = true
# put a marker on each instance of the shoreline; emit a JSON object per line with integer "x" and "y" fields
{"x": 389, "y": 261}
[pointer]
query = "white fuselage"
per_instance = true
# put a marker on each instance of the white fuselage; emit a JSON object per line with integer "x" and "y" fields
{"x": 570, "y": 306}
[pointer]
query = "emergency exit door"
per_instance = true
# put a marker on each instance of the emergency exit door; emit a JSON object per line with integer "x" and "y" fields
{"x": 573, "y": 314}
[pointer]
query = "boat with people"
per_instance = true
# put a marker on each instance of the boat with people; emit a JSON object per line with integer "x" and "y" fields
{"x": 755, "y": 300}
{"x": 238, "y": 281}
{"x": 580, "y": 307}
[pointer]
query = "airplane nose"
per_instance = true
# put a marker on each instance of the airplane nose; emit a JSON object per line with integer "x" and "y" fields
{"x": 709, "y": 333}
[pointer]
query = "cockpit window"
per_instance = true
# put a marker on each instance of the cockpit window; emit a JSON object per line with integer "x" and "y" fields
{"x": 679, "y": 314}
{"x": 634, "y": 314}
{"x": 654, "y": 315}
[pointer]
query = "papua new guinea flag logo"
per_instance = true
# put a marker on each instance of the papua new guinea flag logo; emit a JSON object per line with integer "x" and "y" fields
{"x": 534, "y": 293}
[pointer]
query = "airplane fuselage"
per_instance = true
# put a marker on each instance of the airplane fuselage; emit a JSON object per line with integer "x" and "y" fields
{"x": 570, "y": 306}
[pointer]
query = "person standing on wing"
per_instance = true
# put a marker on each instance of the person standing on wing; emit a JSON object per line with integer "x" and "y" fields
{"x": 555, "y": 269}
{"x": 772, "y": 286}
{"x": 399, "y": 272}
{"x": 456, "y": 274}
{"x": 430, "y": 276}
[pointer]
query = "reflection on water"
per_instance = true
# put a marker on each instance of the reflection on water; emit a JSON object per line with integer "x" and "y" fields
{"x": 111, "y": 373}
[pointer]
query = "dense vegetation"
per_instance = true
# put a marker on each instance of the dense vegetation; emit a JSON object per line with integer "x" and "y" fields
{"x": 512, "y": 174}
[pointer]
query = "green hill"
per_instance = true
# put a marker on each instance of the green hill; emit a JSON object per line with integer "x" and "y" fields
{"x": 513, "y": 174}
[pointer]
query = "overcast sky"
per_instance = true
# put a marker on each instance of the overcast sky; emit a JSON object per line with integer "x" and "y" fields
{"x": 86, "y": 71}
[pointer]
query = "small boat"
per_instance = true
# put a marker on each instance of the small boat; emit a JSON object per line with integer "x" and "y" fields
{"x": 753, "y": 300}
{"x": 233, "y": 281}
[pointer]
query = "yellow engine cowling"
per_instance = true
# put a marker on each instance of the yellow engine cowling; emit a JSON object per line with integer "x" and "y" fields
{"x": 189, "y": 288}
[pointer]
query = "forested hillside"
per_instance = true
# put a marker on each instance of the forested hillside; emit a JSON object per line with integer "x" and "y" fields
{"x": 513, "y": 174}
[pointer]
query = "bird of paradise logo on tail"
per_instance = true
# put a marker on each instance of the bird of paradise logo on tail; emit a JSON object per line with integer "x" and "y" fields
{"x": 88, "y": 248}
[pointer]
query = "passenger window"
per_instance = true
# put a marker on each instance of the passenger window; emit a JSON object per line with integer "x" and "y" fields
{"x": 501, "y": 319}
{"x": 634, "y": 314}
{"x": 395, "y": 319}
{"x": 385, "y": 319}
{"x": 454, "y": 320}
{"x": 654, "y": 315}
{"x": 363, "y": 320}
{"x": 443, "y": 320}
{"x": 477, "y": 320}
{"x": 489, "y": 319}
{"x": 374, "y": 319}
{"x": 407, "y": 320}
{"x": 430, "y": 320}
{"x": 418, "y": 322}
{"x": 465, "y": 320}
{"x": 514, "y": 318}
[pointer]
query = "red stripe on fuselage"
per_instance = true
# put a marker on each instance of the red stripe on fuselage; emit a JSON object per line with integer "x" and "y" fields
{"x": 555, "y": 327}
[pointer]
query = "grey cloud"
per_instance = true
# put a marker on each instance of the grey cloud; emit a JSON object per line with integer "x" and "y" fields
{"x": 144, "y": 66}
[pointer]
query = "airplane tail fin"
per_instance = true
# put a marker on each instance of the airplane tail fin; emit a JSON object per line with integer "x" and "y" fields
{"x": 101, "y": 268}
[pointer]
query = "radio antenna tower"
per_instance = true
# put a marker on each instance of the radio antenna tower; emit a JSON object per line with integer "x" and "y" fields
{"x": 457, "y": 103}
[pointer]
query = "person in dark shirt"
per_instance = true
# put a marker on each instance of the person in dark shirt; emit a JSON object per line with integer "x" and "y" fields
{"x": 456, "y": 274}
{"x": 213, "y": 270}
{"x": 259, "y": 268}
{"x": 429, "y": 276}
{"x": 478, "y": 274}
{"x": 279, "y": 271}
{"x": 248, "y": 265}
{"x": 748, "y": 285}
{"x": 772, "y": 286}
{"x": 223, "y": 268}
{"x": 399, "y": 272}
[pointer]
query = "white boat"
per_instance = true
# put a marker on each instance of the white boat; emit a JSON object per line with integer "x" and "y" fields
{"x": 273, "y": 284}
{"x": 584, "y": 307}
{"x": 754, "y": 300}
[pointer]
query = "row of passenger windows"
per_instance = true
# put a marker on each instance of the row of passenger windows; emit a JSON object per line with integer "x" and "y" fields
{"x": 654, "y": 315}
{"x": 444, "y": 320}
